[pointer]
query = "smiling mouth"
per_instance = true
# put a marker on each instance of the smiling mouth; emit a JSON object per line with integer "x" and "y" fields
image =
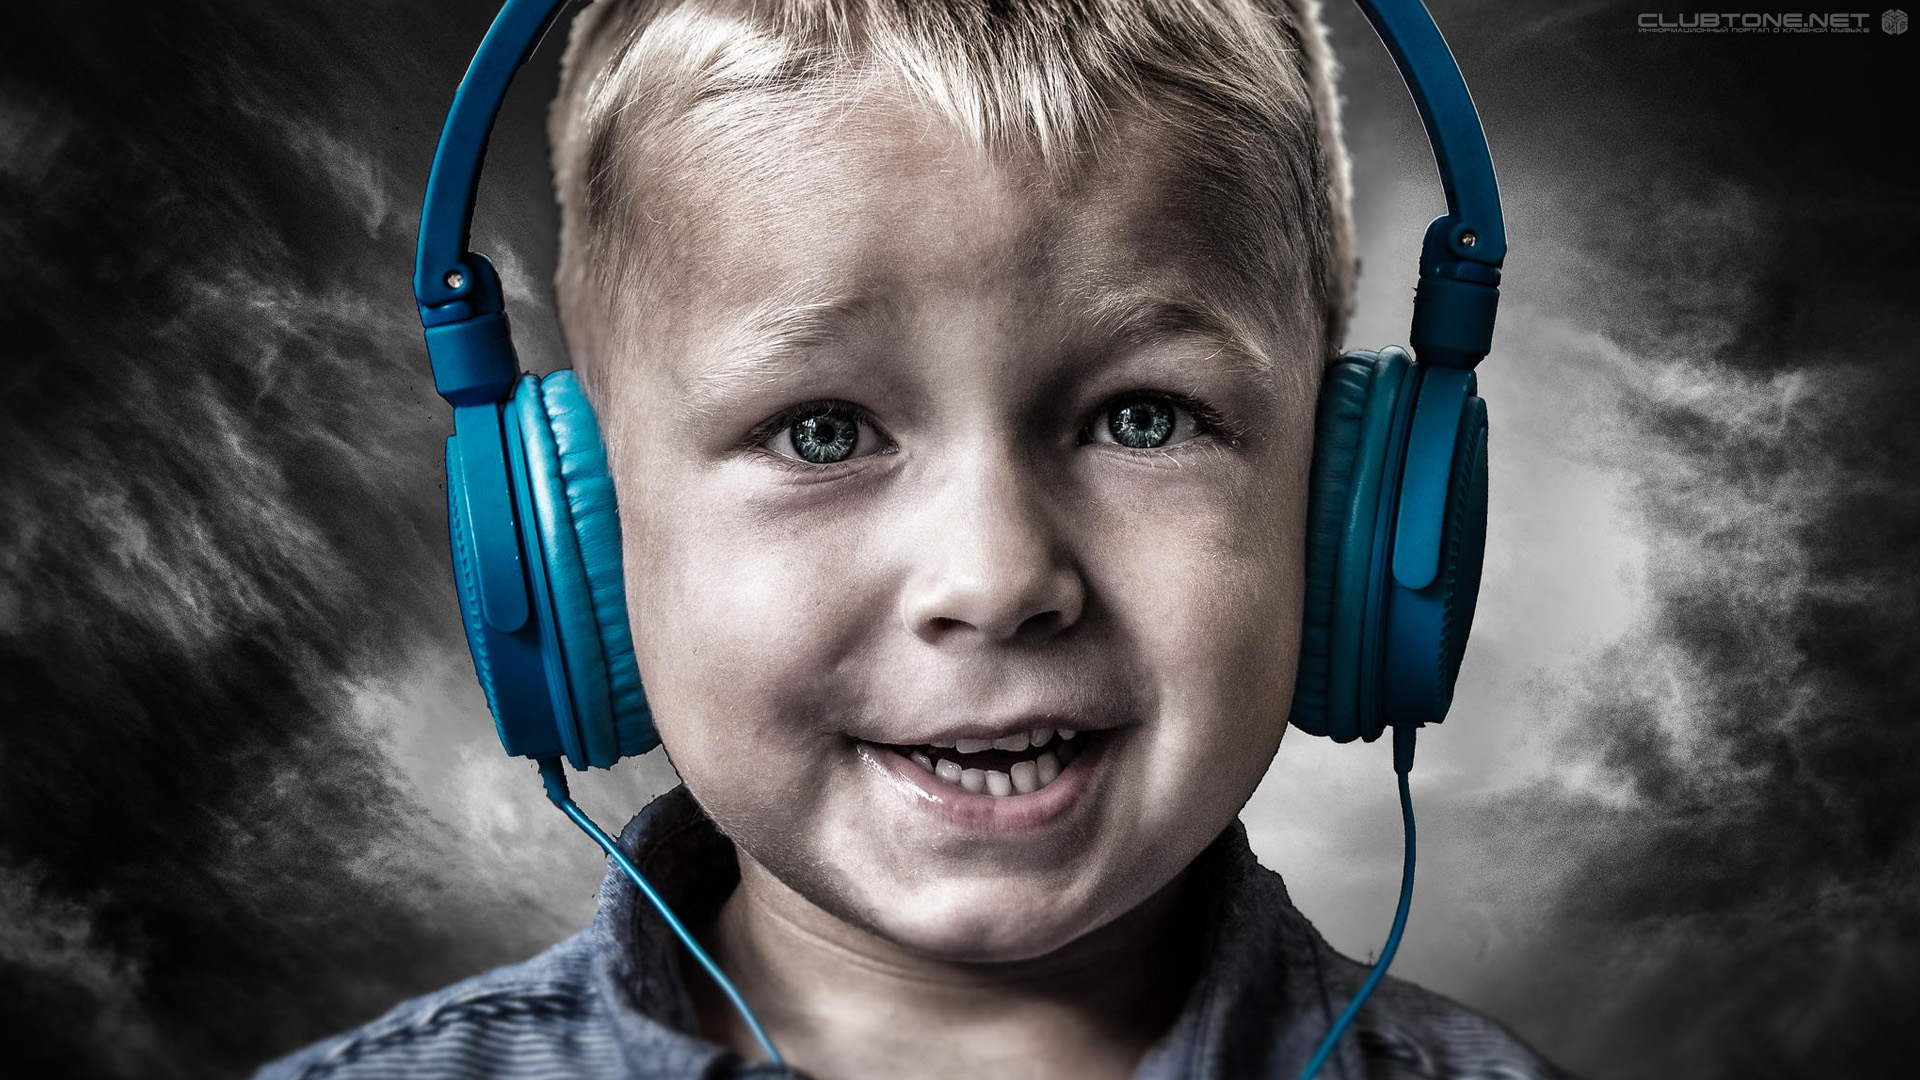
{"x": 1019, "y": 764}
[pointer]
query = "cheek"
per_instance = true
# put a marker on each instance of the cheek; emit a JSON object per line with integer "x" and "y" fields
{"x": 738, "y": 623}
{"x": 1216, "y": 601}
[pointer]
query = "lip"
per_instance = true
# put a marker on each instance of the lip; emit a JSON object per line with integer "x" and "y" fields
{"x": 1003, "y": 814}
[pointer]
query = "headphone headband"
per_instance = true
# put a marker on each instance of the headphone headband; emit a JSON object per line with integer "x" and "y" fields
{"x": 447, "y": 284}
{"x": 1452, "y": 122}
{"x": 1396, "y": 505}
{"x": 1459, "y": 259}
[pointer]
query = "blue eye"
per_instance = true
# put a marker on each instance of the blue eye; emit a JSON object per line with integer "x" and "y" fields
{"x": 824, "y": 435}
{"x": 1143, "y": 422}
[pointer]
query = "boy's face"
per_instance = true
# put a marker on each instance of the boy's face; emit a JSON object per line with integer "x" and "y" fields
{"x": 913, "y": 446}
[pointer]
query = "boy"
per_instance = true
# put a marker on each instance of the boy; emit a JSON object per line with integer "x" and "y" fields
{"x": 957, "y": 365}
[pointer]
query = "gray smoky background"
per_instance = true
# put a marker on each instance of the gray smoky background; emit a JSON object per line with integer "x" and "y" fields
{"x": 249, "y": 794}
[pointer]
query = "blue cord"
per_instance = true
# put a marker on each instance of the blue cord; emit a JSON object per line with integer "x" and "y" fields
{"x": 1402, "y": 765}
{"x": 555, "y": 779}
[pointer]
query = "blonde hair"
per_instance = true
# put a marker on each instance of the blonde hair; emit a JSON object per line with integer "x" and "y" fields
{"x": 649, "y": 86}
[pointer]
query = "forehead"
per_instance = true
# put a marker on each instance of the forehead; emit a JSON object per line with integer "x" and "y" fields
{"x": 886, "y": 216}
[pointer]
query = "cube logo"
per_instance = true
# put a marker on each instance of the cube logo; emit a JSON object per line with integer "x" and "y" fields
{"x": 1894, "y": 22}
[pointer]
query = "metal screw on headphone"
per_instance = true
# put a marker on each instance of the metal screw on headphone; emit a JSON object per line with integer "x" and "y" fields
{"x": 1467, "y": 239}
{"x": 455, "y": 279}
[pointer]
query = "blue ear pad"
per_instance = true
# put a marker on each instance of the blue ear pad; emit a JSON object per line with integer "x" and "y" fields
{"x": 578, "y": 531}
{"x": 1360, "y": 400}
{"x": 596, "y": 526}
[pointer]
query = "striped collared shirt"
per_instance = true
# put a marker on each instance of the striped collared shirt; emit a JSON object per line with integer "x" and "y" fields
{"x": 609, "y": 1001}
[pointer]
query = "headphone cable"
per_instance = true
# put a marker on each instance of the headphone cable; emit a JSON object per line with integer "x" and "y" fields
{"x": 1402, "y": 765}
{"x": 555, "y": 778}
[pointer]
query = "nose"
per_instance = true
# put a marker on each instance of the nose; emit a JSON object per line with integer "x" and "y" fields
{"x": 989, "y": 560}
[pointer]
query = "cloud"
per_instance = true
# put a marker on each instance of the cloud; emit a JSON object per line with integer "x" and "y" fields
{"x": 249, "y": 795}
{"x": 221, "y": 537}
{"x": 1664, "y": 832}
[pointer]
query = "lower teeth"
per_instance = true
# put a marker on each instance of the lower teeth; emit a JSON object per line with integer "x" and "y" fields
{"x": 1024, "y": 778}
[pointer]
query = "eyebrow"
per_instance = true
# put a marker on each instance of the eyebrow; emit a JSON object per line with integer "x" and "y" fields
{"x": 1143, "y": 319}
{"x": 772, "y": 343}
{"x": 775, "y": 341}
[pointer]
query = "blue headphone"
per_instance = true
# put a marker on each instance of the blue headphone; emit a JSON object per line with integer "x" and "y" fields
{"x": 1397, "y": 509}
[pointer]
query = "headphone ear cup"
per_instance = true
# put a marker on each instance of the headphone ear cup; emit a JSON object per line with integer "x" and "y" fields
{"x": 1440, "y": 542}
{"x": 578, "y": 534}
{"x": 1353, "y": 436}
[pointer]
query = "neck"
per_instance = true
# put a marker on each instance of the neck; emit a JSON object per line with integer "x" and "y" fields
{"x": 844, "y": 1004}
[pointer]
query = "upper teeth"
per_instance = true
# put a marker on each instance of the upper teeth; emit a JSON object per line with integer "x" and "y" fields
{"x": 1022, "y": 778}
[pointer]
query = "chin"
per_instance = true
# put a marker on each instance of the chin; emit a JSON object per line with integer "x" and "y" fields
{"x": 982, "y": 943}
{"x": 983, "y": 923}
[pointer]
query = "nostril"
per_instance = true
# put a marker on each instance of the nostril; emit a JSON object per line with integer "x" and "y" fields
{"x": 1041, "y": 625}
{"x": 954, "y": 604}
{"x": 1044, "y": 622}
